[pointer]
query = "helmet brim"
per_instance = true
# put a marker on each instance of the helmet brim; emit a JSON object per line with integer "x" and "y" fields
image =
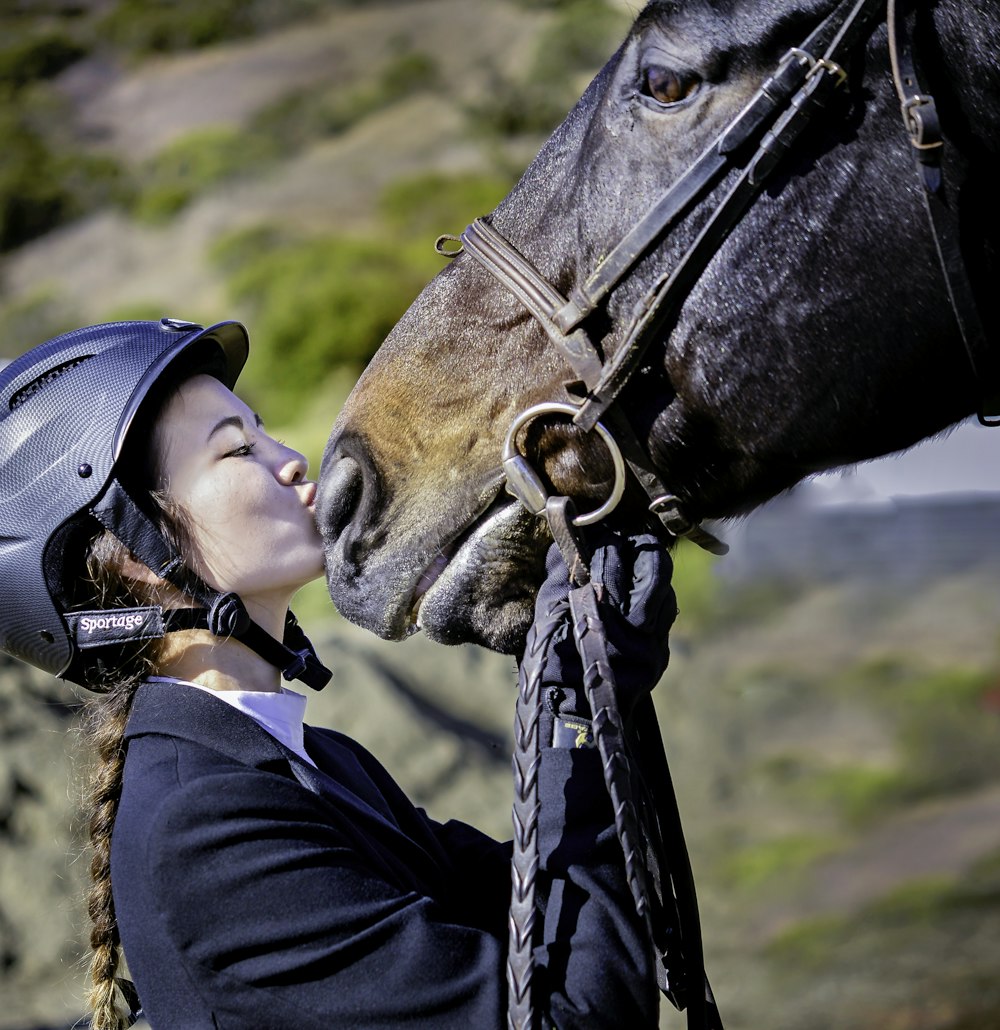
{"x": 192, "y": 352}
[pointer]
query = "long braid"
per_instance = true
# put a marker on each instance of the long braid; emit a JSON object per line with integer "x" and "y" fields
{"x": 107, "y": 717}
{"x": 108, "y": 731}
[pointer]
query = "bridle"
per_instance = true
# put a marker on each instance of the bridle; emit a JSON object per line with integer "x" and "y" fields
{"x": 751, "y": 146}
{"x": 754, "y": 143}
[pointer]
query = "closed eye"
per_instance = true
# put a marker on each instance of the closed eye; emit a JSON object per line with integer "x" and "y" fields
{"x": 244, "y": 450}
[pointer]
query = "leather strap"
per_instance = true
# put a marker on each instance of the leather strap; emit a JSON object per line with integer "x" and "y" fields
{"x": 294, "y": 656}
{"x": 778, "y": 113}
{"x": 923, "y": 125}
{"x": 770, "y": 98}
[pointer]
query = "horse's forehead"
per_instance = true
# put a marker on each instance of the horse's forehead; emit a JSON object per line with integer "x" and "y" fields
{"x": 723, "y": 22}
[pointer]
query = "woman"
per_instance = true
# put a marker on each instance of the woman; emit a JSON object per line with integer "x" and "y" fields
{"x": 259, "y": 873}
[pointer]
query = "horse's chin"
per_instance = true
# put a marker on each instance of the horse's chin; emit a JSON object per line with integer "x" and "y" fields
{"x": 485, "y": 593}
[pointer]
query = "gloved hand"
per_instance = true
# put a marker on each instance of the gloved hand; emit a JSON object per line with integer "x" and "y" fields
{"x": 631, "y": 576}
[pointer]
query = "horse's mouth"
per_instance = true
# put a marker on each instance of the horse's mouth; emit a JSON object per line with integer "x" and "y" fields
{"x": 480, "y": 587}
{"x": 475, "y": 578}
{"x": 427, "y": 580}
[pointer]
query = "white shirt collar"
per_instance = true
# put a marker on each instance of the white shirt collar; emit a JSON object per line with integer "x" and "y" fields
{"x": 281, "y": 713}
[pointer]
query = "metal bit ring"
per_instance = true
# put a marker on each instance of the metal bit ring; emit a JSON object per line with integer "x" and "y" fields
{"x": 524, "y": 483}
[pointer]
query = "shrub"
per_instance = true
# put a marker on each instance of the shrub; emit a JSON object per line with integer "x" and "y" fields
{"x": 41, "y": 187}
{"x": 435, "y": 203}
{"x": 317, "y": 304}
{"x": 580, "y": 38}
{"x": 778, "y": 860}
{"x": 516, "y": 109}
{"x": 861, "y": 794}
{"x": 28, "y": 57}
{"x": 30, "y": 319}
{"x": 194, "y": 163}
{"x": 162, "y": 26}
{"x": 302, "y": 116}
{"x": 320, "y": 305}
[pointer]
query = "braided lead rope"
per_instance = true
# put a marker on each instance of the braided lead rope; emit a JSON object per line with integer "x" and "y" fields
{"x": 524, "y": 863}
{"x": 599, "y": 683}
{"x": 671, "y": 926}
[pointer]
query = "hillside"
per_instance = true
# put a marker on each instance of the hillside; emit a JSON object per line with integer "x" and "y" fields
{"x": 836, "y": 745}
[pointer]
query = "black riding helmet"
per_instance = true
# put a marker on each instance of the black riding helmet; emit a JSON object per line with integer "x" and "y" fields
{"x": 66, "y": 409}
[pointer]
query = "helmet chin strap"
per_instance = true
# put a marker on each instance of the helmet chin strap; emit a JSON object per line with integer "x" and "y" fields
{"x": 223, "y": 614}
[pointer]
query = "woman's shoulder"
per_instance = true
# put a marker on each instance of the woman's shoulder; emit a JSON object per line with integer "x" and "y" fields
{"x": 322, "y": 741}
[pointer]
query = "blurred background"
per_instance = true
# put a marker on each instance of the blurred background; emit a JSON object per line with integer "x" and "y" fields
{"x": 832, "y": 709}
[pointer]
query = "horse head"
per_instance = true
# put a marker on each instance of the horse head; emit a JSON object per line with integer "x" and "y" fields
{"x": 818, "y": 331}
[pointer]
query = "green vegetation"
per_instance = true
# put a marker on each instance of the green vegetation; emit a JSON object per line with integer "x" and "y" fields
{"x": 140, "y": 27}
{"x": 942, "y": 740}
{"x": 303, "y": 116}
{"x": 544, "y": 4}
{"x": 30, "y": 320}
{"x": 575, "y": 43}
{"x": 946, "y": 740}
{"x": 322, "y": 304}
{"x": 696, "y": 586}
{"x": 318, "y": 304}
{"x": 33, "y": 54}
{"x": 921, "y": 956}
{"x": 808, "y": 945}
{"x": 860, "y": 793}
{"x": 774, "y": 861}
{"x": 193, "y": 164}
{"x": 47, "y": 180}
{"x": 418, "y": 209}
{"x": 43, "y": 184}
{"x": 709, "y": 606}
{"x": 204, "y": 159}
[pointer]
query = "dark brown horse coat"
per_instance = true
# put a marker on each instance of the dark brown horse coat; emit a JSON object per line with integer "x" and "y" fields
{"x": 820, "y": 332}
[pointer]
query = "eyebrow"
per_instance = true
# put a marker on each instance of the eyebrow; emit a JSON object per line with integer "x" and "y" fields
{"x": 233, "y": 420}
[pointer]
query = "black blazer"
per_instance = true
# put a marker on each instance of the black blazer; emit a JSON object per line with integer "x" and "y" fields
{"x": 254, "y": 892}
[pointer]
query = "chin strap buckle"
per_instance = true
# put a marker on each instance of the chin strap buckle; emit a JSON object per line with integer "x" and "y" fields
{"x": 228, "y": 616}
{"x": 306, "y": 667}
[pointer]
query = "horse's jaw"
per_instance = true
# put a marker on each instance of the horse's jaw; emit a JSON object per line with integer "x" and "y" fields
{"x": 485, "y": 591}
{"x": 469, "y": 578}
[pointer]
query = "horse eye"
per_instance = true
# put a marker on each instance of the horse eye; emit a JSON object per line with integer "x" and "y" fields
{"x": 666, "y": 86}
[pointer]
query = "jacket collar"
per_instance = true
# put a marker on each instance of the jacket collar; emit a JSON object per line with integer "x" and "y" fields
{"x": 175, "y": 710}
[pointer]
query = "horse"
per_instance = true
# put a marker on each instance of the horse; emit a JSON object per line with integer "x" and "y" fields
{"x": 820, "y": 319}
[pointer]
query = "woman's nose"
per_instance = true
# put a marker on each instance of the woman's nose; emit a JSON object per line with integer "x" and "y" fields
{"x": 293, "y": 466}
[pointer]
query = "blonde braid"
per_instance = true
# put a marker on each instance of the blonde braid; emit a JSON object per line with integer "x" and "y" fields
{"x": 106, "y": 719}
{"x": 108, "y": 731}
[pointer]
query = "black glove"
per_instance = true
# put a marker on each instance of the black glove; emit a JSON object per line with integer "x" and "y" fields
{"x": 631, "y": 577}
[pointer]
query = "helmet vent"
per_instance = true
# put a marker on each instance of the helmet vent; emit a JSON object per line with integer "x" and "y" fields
{"x": 29, "y": 391}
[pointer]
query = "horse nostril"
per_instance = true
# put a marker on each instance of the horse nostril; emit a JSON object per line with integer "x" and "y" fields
{"x": 337, "y": 499}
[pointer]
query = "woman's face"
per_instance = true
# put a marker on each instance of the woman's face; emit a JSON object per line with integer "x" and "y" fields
{"x": 247, "y": 505}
